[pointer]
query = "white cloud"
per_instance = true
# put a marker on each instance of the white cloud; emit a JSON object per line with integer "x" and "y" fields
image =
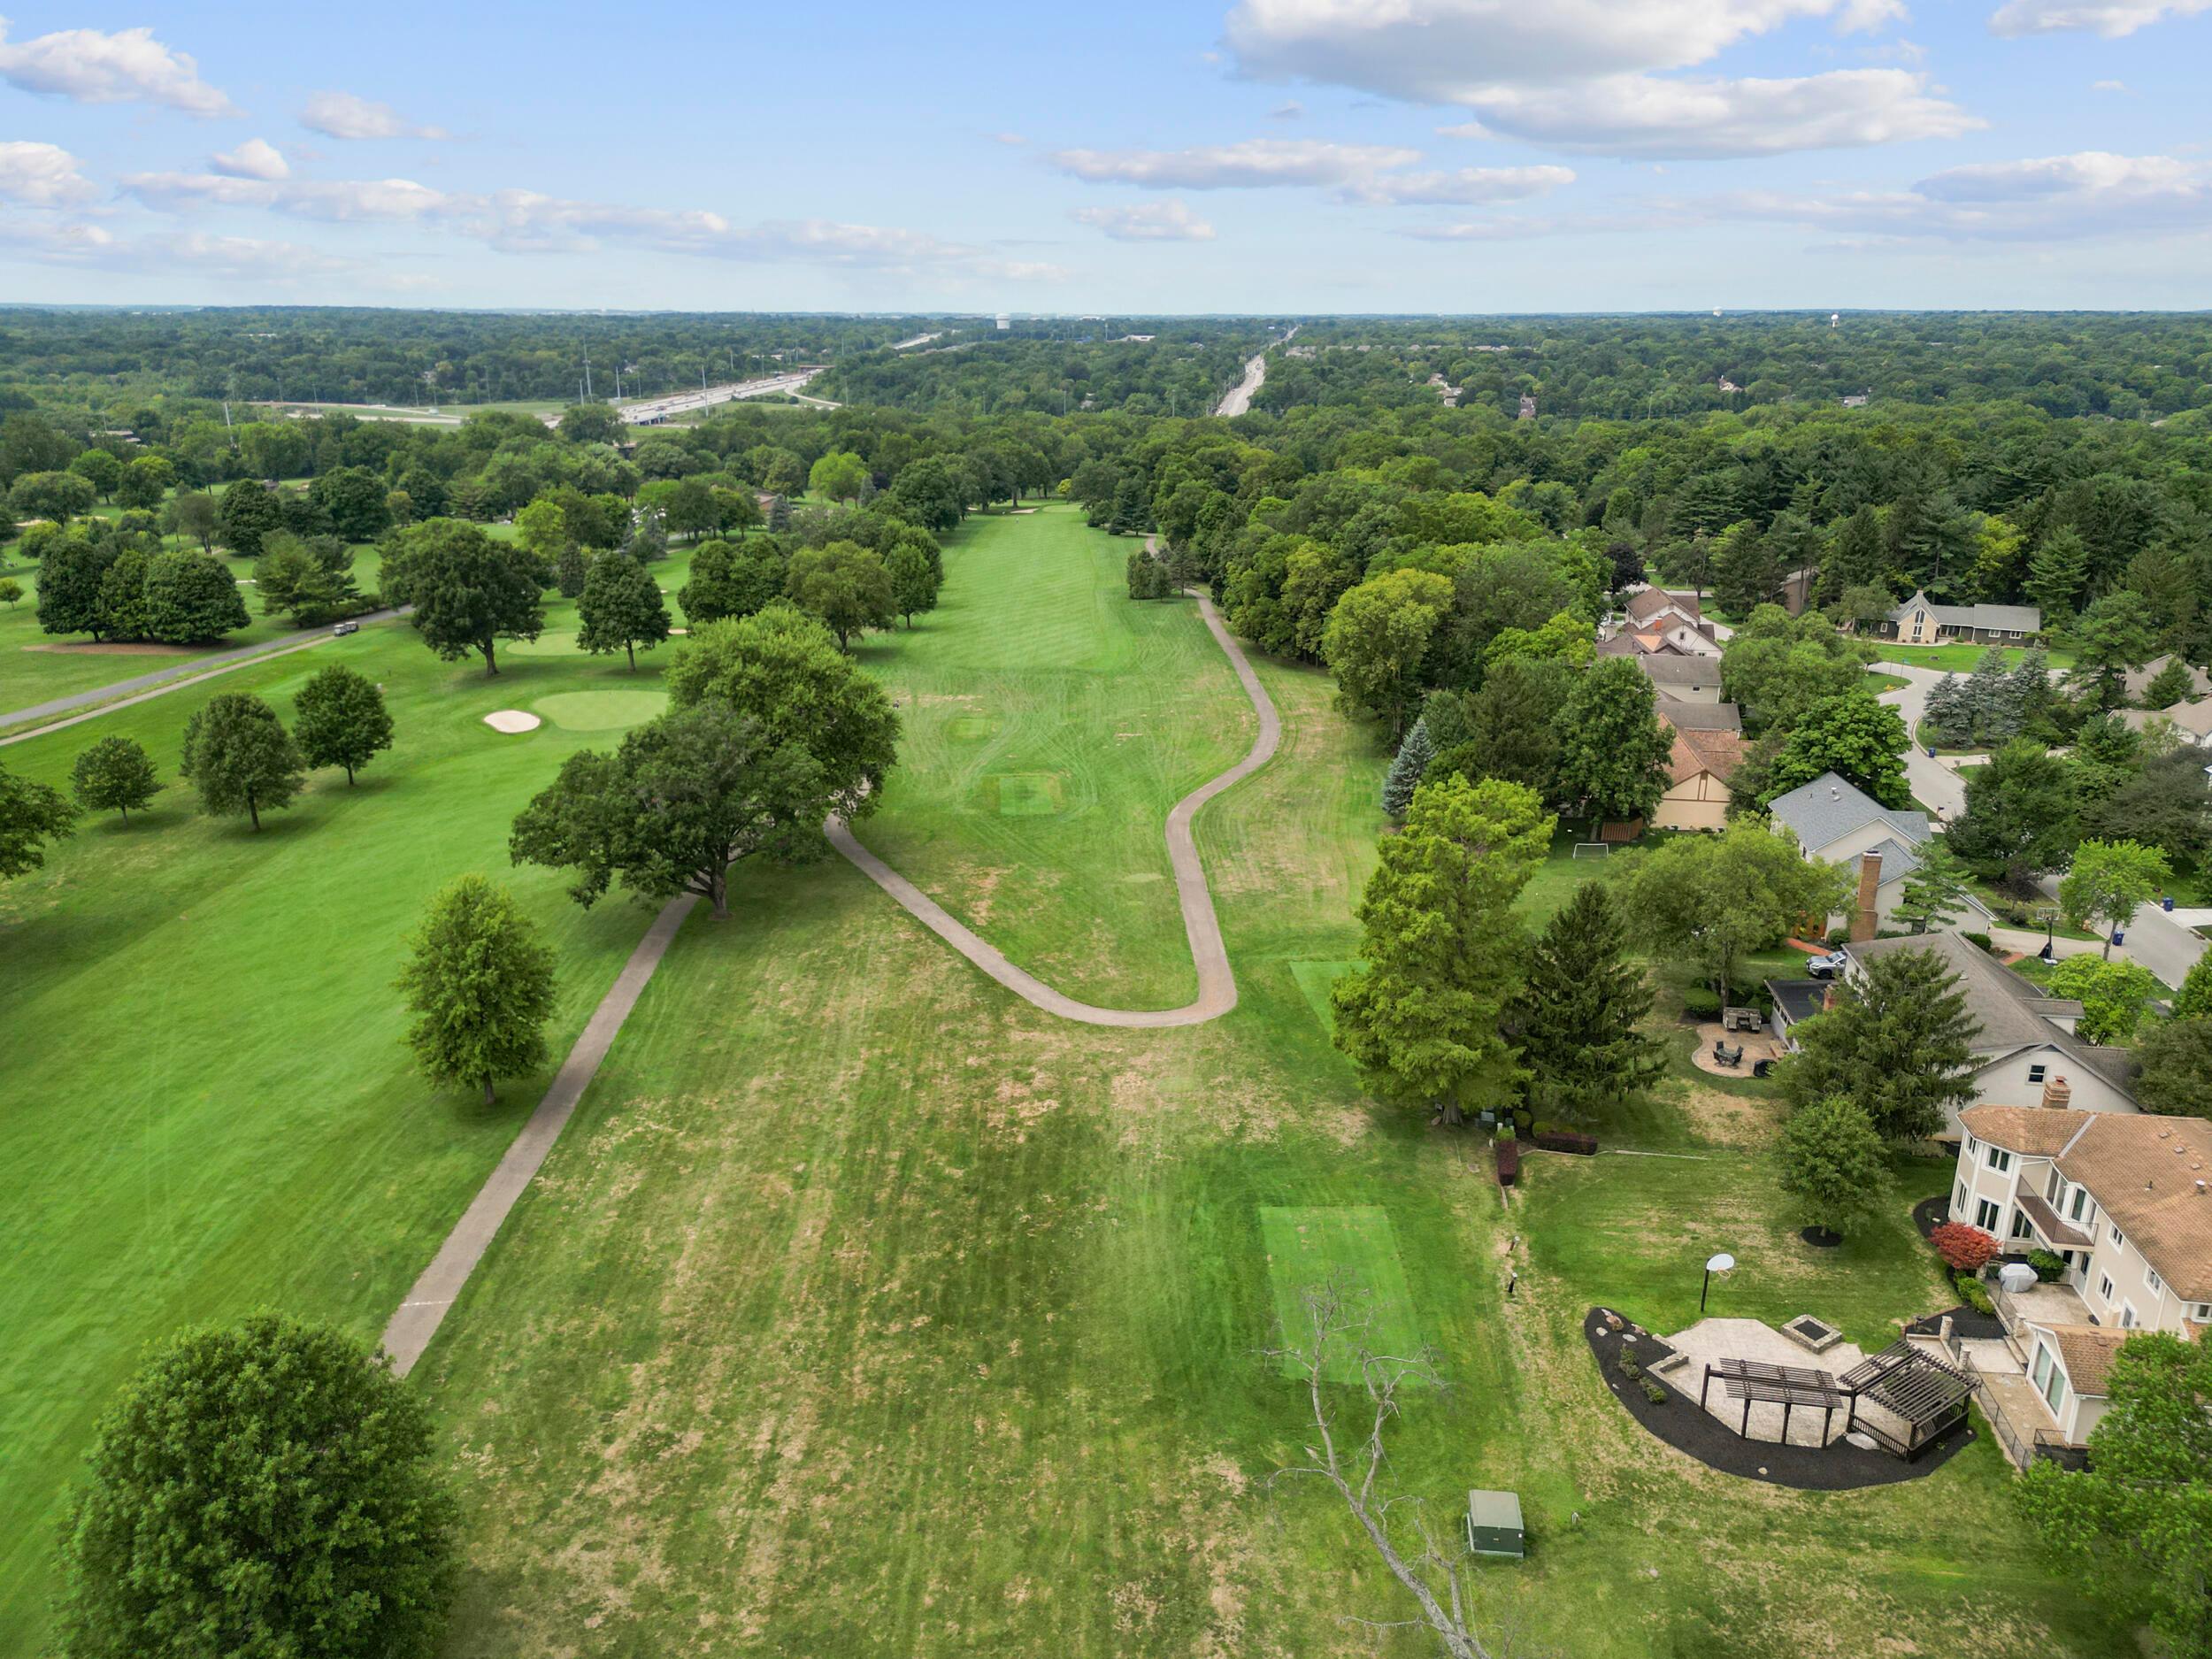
{"x": 1440, "y": 51}
{"x": 2112, "y": 86}
{"x": 89, "y": 66}
{"x": 1012, "y": 139}
{"x": 1153, "y": 221}
{"x": 41, "y": 175}
{"x": 239, "y": 257}
{"x": 528, "y": 221}
{"x": 2052, "y": 198}
{"x": 1595, "y": 75}
{"x": 342, "y": 115}
{"x": 1525, "y": 229}
{"x": 256, "y": 158}
{"x": 1464, "y": 187}
{"x": 1649, "y": 118}
{"x": 1254, "y": 164}
{"x": 2111, "y": 18}
{"x": 1293, "y": 111}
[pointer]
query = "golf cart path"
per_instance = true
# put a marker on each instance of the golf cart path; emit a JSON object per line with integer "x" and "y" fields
{"x": 1217, "y": 984}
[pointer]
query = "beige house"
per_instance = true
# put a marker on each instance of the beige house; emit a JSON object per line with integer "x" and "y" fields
{"x": 1684, "y": 679}
{"x": 1920, "y": 621}
{"x": 2125, "y": 1201}
{"x": 1704, "y": 759}
{"x": 2192, "y": 721}
{"x": 1657, "y": 622}
{"x": 1837, "y": 822}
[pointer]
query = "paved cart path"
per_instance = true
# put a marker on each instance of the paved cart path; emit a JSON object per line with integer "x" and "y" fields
{"x": 1217, "y": 984}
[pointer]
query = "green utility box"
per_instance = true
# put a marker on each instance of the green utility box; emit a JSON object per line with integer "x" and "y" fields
{"x": 1494, "y": 1523}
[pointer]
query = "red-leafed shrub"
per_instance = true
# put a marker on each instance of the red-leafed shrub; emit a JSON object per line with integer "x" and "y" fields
{"x": 1509, "y": 1161}
{"x": 1561, "y": 1140}
{"x": 1967, "y": 1249}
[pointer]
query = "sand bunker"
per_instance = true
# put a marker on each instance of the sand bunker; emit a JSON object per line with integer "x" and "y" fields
{"x": 511, "y": 720}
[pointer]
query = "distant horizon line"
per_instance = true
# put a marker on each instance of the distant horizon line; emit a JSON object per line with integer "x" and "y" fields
{"x": 1720, "y": 314}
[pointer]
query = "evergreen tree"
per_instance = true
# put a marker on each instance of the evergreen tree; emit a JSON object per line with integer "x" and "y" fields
{"x": 1986, "y": 704}
{"x": 1132, "y": 512}
{"x": 1407, "y": 769}
{"x": 338, "y": 720}
{"x": 1442, "y": 948}
{"x": 1948, "y": 716}
{"x": 1579, "y": 1017}
{"x": 2028, "y": 698}
{"x": 115, "y": 775}
{"x": 480, "y": 985}
{"x": 1832, "y": 1163}
{"x": 241, "y": 759}
{"x": 1935, "y": 892}
{"x": 2176, "y": 1060}
{"x": 779, "y": 514}
{"x": 1898, "y": 1041}
{"x": 2056, "y": 571}
{"x": 2169, "y": 684}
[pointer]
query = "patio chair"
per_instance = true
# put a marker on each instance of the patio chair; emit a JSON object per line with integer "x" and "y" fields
{"x": 1727, "y": 1055}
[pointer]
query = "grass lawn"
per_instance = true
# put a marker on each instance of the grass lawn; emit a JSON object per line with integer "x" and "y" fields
{"x": 1049, "y": 724}
{"x": 1963, "y": 658}
{"x": 208, "y": 1108}
{"x": 865, "y": 1309}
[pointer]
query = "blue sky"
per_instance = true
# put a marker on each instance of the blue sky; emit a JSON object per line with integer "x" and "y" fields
{"x": 1244, "y": 155}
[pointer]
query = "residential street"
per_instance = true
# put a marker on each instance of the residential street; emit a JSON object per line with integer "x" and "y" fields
{"x": 1936, "y": 785}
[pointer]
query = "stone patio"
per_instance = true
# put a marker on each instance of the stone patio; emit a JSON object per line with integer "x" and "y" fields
{"x": 1756, "y": 1045}
{"x": 1710, "y": 1340}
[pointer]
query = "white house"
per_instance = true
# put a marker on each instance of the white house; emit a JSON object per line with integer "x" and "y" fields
{"x": 1658, "y": 622}
{"x": 1839, "y": 822}
{"x": 2125, "y": 1201}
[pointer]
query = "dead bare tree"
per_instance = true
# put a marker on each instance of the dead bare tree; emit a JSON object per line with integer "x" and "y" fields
{"x": 1337, "y": 1328}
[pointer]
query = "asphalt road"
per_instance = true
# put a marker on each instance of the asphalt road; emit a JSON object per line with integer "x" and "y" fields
{"x": 1933, "y": 782}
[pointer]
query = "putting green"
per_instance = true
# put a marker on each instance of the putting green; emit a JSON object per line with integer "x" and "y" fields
{"x": 971, "y": 728}
{"x": 1026, "y": 793}
{"x": 553, "y": 642}
{"x": 1306, "y": 1245}
{"x": 601, "y": 711}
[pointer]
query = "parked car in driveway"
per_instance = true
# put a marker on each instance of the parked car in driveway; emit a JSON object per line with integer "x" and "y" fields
{"x": 1828, "y": 967}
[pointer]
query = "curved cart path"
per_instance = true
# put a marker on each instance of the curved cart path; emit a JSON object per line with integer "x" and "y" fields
{"x": 1217, "y": 985}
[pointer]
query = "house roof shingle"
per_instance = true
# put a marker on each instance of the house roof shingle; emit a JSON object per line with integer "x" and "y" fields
{"x": 2087, "y": 1352}
{"x": 2139, "y": 679}
{"x": 2033, "y": 1132}
{"x": 1719, "y": 752}
{"x": 1830, "y": 807}
{"x": 2012, "y": 1012}
{"x": 1700, "y": 716}
{"x": 1666, "y": 668}
{"x": 1653, "y": 601}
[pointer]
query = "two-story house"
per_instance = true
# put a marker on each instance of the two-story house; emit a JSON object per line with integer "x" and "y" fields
{"x": 2125, "y": 1201}
{"x": 1839, "y": 822}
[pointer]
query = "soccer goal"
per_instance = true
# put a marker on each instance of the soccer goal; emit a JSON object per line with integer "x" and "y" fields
{"x": 1590, "y": 849}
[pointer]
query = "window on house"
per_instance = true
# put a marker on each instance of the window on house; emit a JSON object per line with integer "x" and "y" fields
{"x": 2020, "y": 1225}
{"x": 1959, "y": 1203}
{"x": 2128, "y": 1320}
{"x": 1972, "y": 1146}
{"x": 2119, "y": 1239}
{"x": 2054, "y": 1186}
{"x": 2081, "y": 1197}
{"x": 1985, "y": 1216}
{"x": 2000, "y": 1160}
{"x": 2201, "y": 1313}
{"x": 2037, "y": 1073}
{"x": 2104, "y": 1287}
{"x": 2151, "y": 1278}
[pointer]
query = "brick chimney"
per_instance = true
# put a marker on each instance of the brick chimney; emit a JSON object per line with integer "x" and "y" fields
{"x": 1866, "y": 917}
{"x": 2058, "y": 1094}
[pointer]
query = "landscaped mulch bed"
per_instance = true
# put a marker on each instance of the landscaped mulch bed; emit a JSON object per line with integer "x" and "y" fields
{"x": 1966, "y": 1324}
{"x": 1841, "y": 1467}
{"x": 1931, "y": 1213}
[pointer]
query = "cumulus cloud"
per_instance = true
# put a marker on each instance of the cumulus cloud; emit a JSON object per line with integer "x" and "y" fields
{"x": 528, "y": 221}
{"x": 1464, "y": 187}
{"x": 256, "y": 158}
{"x": 1591, "y": 75}
{"x": 41, "y": 175}
{"x": 1531, "y": 228}
{"x": 1153, "y": 221}
{"x": 342, "y": 115}
{"x": 1652, "y": 118}
{"x": 2085, "y": 196}
{"x": 89, "y": 66}
{"x": 2111, "y": 18}
{"x": 243, "y": 259}
{"x": 1254, "y": 164}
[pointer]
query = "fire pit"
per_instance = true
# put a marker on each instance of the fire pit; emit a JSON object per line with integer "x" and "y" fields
{"x": 1815, "y": 1335}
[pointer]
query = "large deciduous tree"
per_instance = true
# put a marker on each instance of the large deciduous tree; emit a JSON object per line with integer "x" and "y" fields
{"x": 338, "y": 720}
{"x": 1714, "y": 899}
{"x": 479, "y": 983}
{"x": 1442, "y": 948}
{"x": 1897, "y": 1040}
{"x": 2020, "y": 813}
{"x": 621, "y": 607}
{"x": 190, "y": 596}
{"x": 1377, "y": 638}
{"x": 1614, "y": 753}
{"x": 845, "y": 586}
{"x": 469, "y": 591}
{"x": 249, "y": 512}
{"x": 732, "y": 581}
{"x": 115, "y": 775}
{"x": 2176, "y": 1060}
{"x": 2114, "y": 997}
{"x": 31, "y": 815}
{"x": 240, "y": 757}
{"x": 2108, "y": 881}
{"x": 1853, "y": 736}
{"x": 1778, "y": 666}
{"x": 682, "y": 801}
{"x": 262, "y": 1488}
{"x": 1579, "y": 1017}
{"x": 2145, "y": 1500}
{"x": 840, "y": 475}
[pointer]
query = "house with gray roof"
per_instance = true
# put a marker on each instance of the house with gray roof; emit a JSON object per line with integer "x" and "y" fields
{"x": 1920, "y": 621}
{"x": 1839, "y": 822}
{"x": 1686, "y": 679}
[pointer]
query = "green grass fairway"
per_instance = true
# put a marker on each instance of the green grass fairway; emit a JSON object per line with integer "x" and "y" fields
{"x": 1349, "y": 1244}
{"x": 1315, "y": 980}
{"x": 1036, "y": 664}
{"x": 1026, "y": 794}
{"x": 204, "y": 1099}
{"x": 552, "y": 642}
{"x": 601, "y": 711}
{"x": 875, "y": 1311}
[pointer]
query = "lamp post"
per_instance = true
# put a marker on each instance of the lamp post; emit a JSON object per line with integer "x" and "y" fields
{"x": 2050, "y": 934}
{"x": 1720, "y": 1263}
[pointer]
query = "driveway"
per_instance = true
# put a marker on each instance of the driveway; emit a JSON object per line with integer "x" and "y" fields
{"x": 1934, "y": 783}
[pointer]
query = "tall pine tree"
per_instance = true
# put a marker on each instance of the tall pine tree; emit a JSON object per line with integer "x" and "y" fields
{"x": 1414, "y": 756}
{"x": 1578, "y": 1014}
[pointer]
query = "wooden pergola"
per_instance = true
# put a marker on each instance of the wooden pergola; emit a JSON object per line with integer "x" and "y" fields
{"x": 1790, "y": 1387}
{"x": 1913, "y": 1385}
